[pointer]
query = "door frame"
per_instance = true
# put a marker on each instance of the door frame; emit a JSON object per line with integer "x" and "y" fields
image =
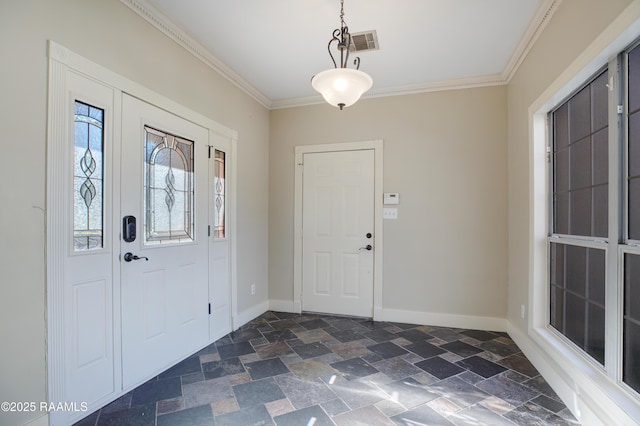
{"x": 377, "y": 147}
{"x": 63, "y": 61}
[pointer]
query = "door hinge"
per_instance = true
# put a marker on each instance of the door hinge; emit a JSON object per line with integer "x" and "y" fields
{"x": 209, "y": 230}
{"x": 209, "y": 152}
{"x": 209, "y": 308}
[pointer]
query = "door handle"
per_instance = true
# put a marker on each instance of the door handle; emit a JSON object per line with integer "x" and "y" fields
{"x": 128, "y": 257}
{"x": 368, "y": 247}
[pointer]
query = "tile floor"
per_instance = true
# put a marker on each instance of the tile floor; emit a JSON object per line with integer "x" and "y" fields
{"x": 304, "y": 370}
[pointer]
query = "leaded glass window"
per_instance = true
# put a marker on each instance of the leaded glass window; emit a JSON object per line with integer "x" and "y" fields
{"x": 168, "y": 188}
{"x": 88, "y": 178}
{"x": 219, "y": 195}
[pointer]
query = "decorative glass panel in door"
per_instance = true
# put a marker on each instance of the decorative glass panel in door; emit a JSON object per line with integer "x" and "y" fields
{"x": 88, "y": 175}
{"x": 168, "y": 188}
{"x": 219, "y": 194}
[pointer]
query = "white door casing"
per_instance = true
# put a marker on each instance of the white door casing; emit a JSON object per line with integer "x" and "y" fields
{"x": 164, "y": 298}
{"x": 333, "y": 271}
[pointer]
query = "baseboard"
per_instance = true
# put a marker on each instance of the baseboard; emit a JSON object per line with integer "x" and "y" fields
{"x": 587, "y": 395}
{"x": 250, "y": 314}
{"x": 40, "y": 421}
{"x": 284, "y": 306}
{"x": 441, "y": 320}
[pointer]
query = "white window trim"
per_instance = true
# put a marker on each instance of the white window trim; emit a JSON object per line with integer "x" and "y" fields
{"x": 591, "y": 394}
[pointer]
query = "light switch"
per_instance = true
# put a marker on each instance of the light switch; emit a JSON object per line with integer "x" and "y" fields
{"x": 389, "y": 213}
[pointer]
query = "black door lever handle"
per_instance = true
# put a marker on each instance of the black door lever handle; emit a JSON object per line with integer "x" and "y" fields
{"x": 128, "y": 257}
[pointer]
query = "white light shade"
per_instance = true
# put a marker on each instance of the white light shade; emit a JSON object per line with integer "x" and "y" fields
{"x": 341, "y": 87}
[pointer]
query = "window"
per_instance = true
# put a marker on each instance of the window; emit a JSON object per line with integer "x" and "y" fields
{"x": 88, "y": 176}
{"x": 594, "y": 230}
{"x": 219, "y": 194}
{"x": 168, "y": 188}
{"x": 580, "y": 209}
{"x": 631, "y": 261}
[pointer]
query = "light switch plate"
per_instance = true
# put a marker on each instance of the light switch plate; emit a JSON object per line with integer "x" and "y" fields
{"x": 389, "y": 213}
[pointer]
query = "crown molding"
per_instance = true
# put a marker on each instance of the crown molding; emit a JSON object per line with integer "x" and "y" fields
{"x": 152, "y": 15}
{"x": 543, "y": 15}
{"x": 437, "y": 86}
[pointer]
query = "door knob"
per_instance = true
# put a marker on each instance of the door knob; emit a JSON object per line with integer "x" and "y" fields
{"x": 128, "y": 257}
{"x": 368, "y": 247}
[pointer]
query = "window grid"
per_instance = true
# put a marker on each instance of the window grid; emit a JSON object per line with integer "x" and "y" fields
{"x": 594, "y": 268}
{"x": 580, "y": 217}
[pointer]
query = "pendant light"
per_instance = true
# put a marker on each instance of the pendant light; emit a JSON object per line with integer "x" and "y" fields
{"x": 341, "y": 86}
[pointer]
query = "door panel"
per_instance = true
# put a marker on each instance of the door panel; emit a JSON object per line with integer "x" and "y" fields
{"x": 165, "y": 291}
{"x": 220, "y": 236}
{"x": 337, "y": 214}
{"x": 89, "y": 372}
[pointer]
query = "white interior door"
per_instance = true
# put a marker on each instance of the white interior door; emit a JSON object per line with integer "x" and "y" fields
{"x": 164, "y": 292}
{"x": 337, "y": 232}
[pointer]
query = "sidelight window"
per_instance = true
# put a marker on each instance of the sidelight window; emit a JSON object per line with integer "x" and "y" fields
{"x": 88, "y": 176}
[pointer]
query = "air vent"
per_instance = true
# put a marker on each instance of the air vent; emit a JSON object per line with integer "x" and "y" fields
{"x": 364, "y": 41}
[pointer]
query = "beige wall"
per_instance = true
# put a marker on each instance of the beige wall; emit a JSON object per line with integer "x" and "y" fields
{"x": 445, "y": 153}
{"x": 572, "y": 28}
{"x": 109, "y": 33}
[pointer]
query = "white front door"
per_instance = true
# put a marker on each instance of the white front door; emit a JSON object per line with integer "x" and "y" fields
{"x": 337, "y": 232}
{"x": 164, "y": 262}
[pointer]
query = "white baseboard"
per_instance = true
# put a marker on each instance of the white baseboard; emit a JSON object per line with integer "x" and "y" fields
{"x": 250, "y": 314}
{"x": 284, "y": 306}
{"x": 412, "y": 317}
{"x": 441, "y": 320}
{"x": 589, "y": 396}
{"x": 40, "y": 421}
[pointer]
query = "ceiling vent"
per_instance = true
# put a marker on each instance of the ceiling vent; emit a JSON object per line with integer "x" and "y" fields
{"x": 364, "y": 41}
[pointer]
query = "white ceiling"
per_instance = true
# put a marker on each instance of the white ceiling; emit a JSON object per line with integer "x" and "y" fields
{"x": 272, "y": 48}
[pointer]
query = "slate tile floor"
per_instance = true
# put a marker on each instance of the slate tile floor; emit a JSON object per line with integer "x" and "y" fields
{"x": 304, "y": 370}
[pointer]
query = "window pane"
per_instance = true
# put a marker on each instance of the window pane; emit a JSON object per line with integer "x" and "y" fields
{"x": 575, "y": 319}
{"x": 634, "y": 79}
{"x": 219, "y": 194}
{"x": 631, "y": 343}
{"x": 581, "y": 163}
{"x": 600, "y": 212}
{"x": 580, "y": 157}
{"x": 595, "y": 332}
{"x": 561, "y": 127}
{"x": 599, "y": 103}
{"x": 168, "y": 188}
{"x": 88, "y": 209}
{"x": 580, "y": 208}
{"x": 634, "y": 144}
{"x": 576, "y": 267}
{"x": 580, "y": 115}
{"x": 600, "y": 157}
{"x": 634, "y": 208}
{"x": 577, "y": 283}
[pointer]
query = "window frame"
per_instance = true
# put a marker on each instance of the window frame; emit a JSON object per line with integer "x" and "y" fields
{"x": 618, "y": 242}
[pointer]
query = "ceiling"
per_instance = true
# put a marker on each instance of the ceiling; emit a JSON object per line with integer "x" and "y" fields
{"x": 272, "y": 48}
